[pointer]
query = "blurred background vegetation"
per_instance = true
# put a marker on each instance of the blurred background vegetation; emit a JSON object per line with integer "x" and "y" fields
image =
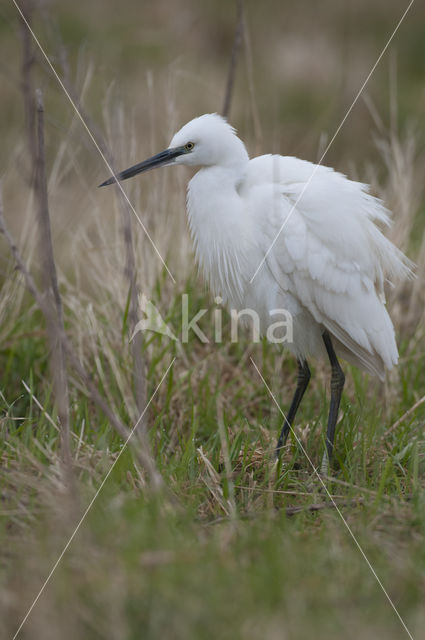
{"x": 306, "y": 62}
{"x": 144, "y": 566}
{"x": 299, "y": 70}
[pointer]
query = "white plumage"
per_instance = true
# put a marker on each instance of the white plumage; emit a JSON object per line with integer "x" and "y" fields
{"x": 328, "y": 264}
{"x": 326, "y": 260}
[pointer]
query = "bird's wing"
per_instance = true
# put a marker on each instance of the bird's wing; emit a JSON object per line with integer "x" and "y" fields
{"x": 324, "y": 247}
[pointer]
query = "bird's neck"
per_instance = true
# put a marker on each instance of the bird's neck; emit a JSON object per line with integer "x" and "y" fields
{"x": 216, "y": 213}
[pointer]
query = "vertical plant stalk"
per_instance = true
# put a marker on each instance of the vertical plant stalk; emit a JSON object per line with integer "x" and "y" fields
{"x": 250, "y": 75}
{"x": 143, "y": 456}
{"x": 130, "y": 272}
{"x": 226, "y": 458}
{"x": 28, "y": 59}
{"x": 53, "y": 302}
{"x": 139, "y": 375}
{"x": 52, "y": 308}
{"x": 49, "y": 301}
{"x": 237, "y": 42}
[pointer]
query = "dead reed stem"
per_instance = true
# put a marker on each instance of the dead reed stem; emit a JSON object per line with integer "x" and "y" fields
{"x": 404, "y": 417}
{"x": 249, "y": 62}
{"x": 143, "y": 455}
{"x": 50, "y": 301}
{"x": 28, "y": 59}
{"x": 130, "y": 272}
{"x": 34, "y": 114}
{"x": 139, "y": 375}
{"x": 53, "y": 303}
{"x": 237, "y": 42}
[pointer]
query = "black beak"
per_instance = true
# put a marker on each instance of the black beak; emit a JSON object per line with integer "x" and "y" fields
{"x": 160, "y": 160}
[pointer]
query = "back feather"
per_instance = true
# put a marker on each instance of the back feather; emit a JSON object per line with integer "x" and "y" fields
{"x": 332, "y": 253}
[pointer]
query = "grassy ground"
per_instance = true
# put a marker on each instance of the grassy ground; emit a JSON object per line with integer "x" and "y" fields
{"x": 216, "y": 555}
{"x": 230, "y": 548}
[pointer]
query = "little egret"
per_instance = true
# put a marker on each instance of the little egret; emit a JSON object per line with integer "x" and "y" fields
{"x": 277, "y": 232}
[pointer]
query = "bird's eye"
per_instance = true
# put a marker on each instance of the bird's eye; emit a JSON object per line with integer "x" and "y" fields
{"x": 189, "y": 146}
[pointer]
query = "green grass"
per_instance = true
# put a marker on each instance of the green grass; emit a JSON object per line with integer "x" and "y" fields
{"x": 179, "y": 564}
{"x": 213, "y": 555}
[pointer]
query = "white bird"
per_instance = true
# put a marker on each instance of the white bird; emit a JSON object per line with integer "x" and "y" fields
{"x": 276, "y": 232}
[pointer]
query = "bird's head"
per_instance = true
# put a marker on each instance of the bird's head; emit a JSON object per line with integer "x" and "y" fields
{"x": 205, "y": 141}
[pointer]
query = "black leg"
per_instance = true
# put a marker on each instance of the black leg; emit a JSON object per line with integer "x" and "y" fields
{"x": 302, "y": 382}
{"x": 337, "y": 385}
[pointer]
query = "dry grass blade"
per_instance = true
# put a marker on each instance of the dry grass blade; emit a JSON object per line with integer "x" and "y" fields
{"x": 292, "y": 511}
{"x": 139, "y": 375}
{"x": 142, "y": 452}
{"x": 405, "y": 415}
{"x": 289, "y": 492}
{"x": 212, "y": 481}
{"x": 226, "y": 457}
{"x": 50, "y": 303}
